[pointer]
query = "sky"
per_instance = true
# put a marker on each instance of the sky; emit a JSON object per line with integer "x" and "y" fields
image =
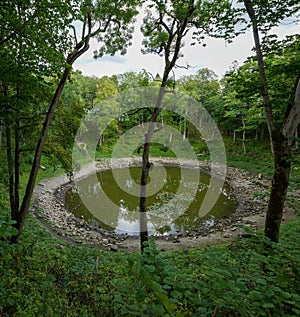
{"x": 217, "y": 56}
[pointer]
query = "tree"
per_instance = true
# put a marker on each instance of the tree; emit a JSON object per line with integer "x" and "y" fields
{"x": 243, "y": 102}
{"x": 109, "y": 23}
{"x": 77, "y": 98}
{"x": 263, "y": 17}
{"x": 205, "y": 88}
{"x": 27, "y": 58}
{"x": 130, "y": 80}
{"x": 166, "y": 24}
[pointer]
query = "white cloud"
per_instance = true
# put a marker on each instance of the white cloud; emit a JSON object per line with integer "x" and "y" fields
{"x": 217, "y": 56}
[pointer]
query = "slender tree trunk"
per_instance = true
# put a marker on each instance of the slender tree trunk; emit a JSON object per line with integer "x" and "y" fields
{"x": 171, "y": 54}
{"x": 37, "y": 157}
{"x": 296, "y": 142}
{"x": 280, "y": 183}
{"x": 282, "y": 166}
{"x": 10, "y": 163}
{"x": 17, "y": 169}
{"x": 146, "y": 168}
{"x": 17, "y": 161}
{"x": 10, "y": 170}
{"x": 80, "y": 49}
{"x": 280, "y": 143}
{"x": 180, "y": 125}
{"x": 262, "y": 132}
{"x": 244, "y": 137}
{"x": 261, "y": 67}
{"x": 184, "y": 130}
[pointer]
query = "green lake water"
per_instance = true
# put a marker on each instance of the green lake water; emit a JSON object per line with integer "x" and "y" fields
{"x": 174, "y": 199}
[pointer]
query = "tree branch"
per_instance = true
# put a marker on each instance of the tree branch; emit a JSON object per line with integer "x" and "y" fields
{"x": 133, "y": 112}
{"x": 75, "y": 36}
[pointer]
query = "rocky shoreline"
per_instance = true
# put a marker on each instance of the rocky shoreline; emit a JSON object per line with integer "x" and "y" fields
{"x": 249, "y": 190}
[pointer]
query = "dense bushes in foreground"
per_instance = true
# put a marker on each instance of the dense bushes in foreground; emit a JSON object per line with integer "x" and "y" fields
{"x": 43, "y": 276}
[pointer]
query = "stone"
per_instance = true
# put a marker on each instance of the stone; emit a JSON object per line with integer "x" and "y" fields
{"x": 82, "y": 223}
{"x": 245, "y": 235}
{"x": 114, "y": 248}
{"x": 176, "y": 240}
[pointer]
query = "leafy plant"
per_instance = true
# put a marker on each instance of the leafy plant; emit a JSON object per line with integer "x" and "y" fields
{"x": 6, "y": 229}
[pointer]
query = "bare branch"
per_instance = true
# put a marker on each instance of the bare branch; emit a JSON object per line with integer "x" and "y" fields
{"x": 161, "y": 22}
{"x": 102, "y": 30}
{"x": 184, "y": 67}
{"x": 133, "y": 112}
{"x": 83, "y": 45}
{"x": 83, "y": 29}
{"x": 75, "y": 35}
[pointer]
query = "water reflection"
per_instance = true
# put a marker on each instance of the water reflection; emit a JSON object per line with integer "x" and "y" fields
{"x": 116, "y": 208}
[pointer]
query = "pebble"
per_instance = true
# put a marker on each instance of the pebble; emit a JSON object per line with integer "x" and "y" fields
{"x": 69, "y": 226}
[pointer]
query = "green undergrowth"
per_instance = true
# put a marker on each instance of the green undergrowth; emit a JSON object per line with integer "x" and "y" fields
{"x": 258, "y": 157}
{"x": 44, "y": 276}
{"x": 259, "y": 160}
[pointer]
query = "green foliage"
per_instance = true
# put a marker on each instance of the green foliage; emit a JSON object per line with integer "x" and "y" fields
{"x": 242, "y": 279}
{"x": 257, "y": 160}
{"x": 270, "y": 13}
{"x": 205, "y": 88}
{"x": 130, "y": 80}
{"x": 6, "y": 229}
{"x": 47, "y": 277}
{"x": 43, "y": 276}
{"x": 243, "y": 87}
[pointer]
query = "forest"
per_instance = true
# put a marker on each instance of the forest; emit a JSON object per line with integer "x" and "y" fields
{"x": 253, "y": 112}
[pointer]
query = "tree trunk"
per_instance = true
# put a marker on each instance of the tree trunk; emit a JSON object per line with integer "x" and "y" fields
{"x": 280, "y": 139}
{"x": 80, "y": 48}
{"x": 146, "y": 168}
{"x": 17, "y": 160}
{"x": 170, "y": 138}
{"x": 262, "y": 132}
{"x": 184, "y": 130}
{"x": 10, "y": 170}
{"x": 280, "y": 183}
{"x": 171, "y": 54}
{"x": 21, "y": 216}
{"x": 244, "y": 137}
{"x": 262, "y": 74}
{"x": 17, "y": 169}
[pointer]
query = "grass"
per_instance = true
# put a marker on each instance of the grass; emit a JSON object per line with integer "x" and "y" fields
{"x": 45, "y": 276}
{"x": 257, "y": 160}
